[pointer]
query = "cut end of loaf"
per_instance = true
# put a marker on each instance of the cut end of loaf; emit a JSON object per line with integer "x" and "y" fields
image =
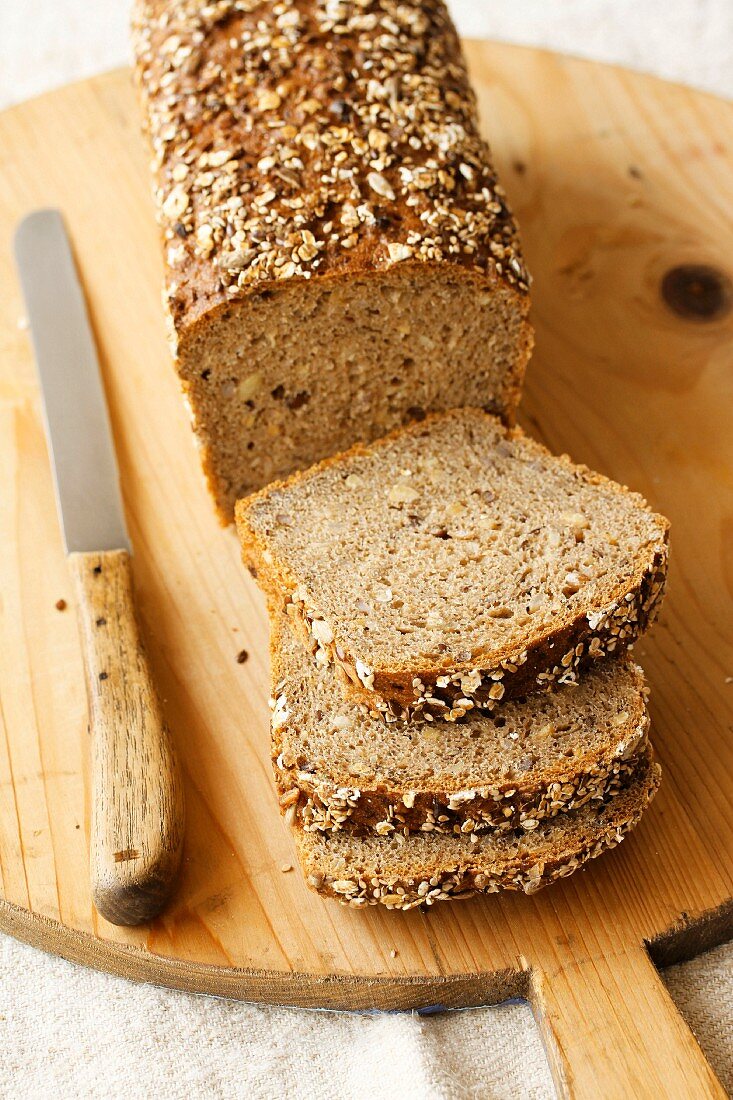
{"x": 294, "y": 373}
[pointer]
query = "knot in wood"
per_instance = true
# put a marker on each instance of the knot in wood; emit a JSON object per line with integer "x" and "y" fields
{"x": 697, "y": 292}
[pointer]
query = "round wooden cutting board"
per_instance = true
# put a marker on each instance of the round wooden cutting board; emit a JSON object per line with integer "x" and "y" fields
{"x": 624, "y": 190}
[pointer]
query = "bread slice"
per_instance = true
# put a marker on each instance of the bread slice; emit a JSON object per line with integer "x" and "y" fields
{"x": 339, "y": 769}
{"x": 339, "y": 252}
{"x": 456, "y": 563}
{"x": 401, "y": 874}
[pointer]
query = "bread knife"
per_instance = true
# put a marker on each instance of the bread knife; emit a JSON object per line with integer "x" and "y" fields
{"x": 137, "y": 811}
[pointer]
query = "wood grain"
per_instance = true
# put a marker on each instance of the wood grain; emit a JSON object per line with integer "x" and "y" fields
{"x": 137, "y": 824}
{"x": 617, "y": 179}
{"x": 610, "y": 1029}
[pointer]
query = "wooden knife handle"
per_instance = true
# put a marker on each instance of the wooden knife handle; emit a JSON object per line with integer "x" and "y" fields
{"x": 137, "y": 794}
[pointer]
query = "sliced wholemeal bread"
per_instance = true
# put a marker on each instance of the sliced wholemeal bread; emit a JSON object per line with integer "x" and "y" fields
{"x": 339, "y": 769}
{"x": 456, "y": 563}
{"x": 401, "y": 874}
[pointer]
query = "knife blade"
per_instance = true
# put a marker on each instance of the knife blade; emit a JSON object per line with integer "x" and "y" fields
{"x": 137, "y": 797}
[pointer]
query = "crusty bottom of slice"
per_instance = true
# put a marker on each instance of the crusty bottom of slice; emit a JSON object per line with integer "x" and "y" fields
{"x": 401, "y": 874}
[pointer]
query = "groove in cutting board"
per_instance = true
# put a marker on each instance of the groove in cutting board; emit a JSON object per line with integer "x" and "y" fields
{"x": 618, "y": 179}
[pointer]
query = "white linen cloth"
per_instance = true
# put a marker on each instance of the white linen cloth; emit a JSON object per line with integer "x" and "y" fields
{"x": 66, "y": 1031}
{"x": 71, "y": 1032}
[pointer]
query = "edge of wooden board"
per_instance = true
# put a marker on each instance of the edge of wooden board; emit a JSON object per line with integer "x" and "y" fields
{"x": 689, "y": 936}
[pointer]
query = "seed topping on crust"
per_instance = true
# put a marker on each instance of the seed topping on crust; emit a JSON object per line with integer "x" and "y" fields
{"x": 289, "y": 141}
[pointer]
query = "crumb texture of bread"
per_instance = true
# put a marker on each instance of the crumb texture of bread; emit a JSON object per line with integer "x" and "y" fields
{"x": 340, "y": 255}
{"x": 402, "y": 874}
{"x": 339, "y": 769}
{"x": 456, "y": 563}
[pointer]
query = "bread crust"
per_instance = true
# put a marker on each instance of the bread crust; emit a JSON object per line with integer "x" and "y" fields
{"x": 577, "y": 838}
{"x": 207, "y": 90}
{"x": 323, "y": 807}
{"x": 448, "y": 693}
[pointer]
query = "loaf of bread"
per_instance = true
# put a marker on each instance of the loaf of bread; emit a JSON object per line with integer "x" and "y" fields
{"x": 455, "y": 564}
{"x": 339, "y": 770}
{"x": 340, "y": 256}
{"x": 401, "y": 874}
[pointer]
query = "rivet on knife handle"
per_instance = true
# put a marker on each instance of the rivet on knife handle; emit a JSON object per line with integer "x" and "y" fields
{"x": 137, "y": 798}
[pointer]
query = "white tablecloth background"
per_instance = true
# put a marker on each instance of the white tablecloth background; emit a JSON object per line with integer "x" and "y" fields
{"x": 69, "y": 1032}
